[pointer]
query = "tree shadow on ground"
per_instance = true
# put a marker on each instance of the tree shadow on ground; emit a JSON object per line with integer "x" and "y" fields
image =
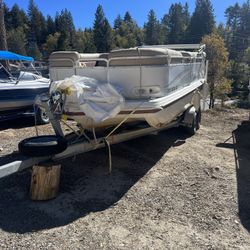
{"x": 85, "y": 184}
{"x": 241, "y": 146}
{"x": 23, "y": 122}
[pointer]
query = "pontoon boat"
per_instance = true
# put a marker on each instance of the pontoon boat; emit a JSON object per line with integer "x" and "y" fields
{"x": 156, "y": 84}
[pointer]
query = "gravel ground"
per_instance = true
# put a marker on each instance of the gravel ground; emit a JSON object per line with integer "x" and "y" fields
{"x": 166, "y": 191}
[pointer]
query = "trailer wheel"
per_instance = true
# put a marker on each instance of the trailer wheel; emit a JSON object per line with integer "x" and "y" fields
{"x": 41, "y": 117}
{"x": 192, "y": 130}
{"x": 198, "y": 115}
{"x": 42, "y": 145}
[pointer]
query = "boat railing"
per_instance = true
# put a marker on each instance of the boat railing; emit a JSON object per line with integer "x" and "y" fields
{"x": 80, "y": 63}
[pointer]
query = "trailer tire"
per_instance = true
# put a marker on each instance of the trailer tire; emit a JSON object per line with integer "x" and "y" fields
{"x": 42, "y": 145}
{"x": 198, "y": 122}
{"x": 41, "y": 117}
{"x": 192, "y": 130}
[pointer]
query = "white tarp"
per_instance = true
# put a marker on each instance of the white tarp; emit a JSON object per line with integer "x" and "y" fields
{"x": 97, "y": 100}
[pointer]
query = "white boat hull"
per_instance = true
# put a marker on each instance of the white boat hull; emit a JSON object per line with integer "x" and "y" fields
{"x": 158, "y": 113}
{"x": 21, "y": 95}
{"x": 158, "y": 84}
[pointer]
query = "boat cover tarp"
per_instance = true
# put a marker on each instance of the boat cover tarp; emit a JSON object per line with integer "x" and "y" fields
{"x": 6, "y": 55}
{"x": 97, "y": 100}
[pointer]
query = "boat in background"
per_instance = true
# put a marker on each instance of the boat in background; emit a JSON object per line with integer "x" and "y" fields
{"x": 18, "y": 93}
{"x": 37, "y": 67}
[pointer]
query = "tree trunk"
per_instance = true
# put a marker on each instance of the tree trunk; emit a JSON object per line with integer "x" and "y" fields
{"x": 211, "y": 102}
{"x": 3, "y": 39}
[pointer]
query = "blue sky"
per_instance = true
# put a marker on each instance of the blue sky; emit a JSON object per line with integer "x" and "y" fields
{"x": 83, "y": 10}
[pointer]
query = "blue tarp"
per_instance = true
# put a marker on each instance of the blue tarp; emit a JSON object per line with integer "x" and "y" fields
{"x": 6, "y": 55}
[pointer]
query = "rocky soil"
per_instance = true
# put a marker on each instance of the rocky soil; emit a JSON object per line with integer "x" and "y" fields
{"x": 166, "y": 191}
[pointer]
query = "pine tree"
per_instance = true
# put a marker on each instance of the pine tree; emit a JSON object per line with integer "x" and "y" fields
{"x": 152, "y": 30}
{"x": 202, "y": 21}
{"x": 127, "y": 17}
{"x": 37, "y": 24}
{"x": 33, "y": 51}
{"x": 17, "y": 40}
{"x": 127, "y": 32}
{"x": 51, "y": 44}
{"x": 176, "y": 23}
{"x": 244, "y": 28}
{"x": 3, "y": 39}
{"x": 84, "y": 41}
{"x": 117, "y": 23}
{"x": 17, "y": 17}
{"x": 65, "y": 26}
{"x": 89, "y": 41}
{"x": 232, "y": 30}
{"x": 51, "y": 28}
{"x": 102, "y": 31}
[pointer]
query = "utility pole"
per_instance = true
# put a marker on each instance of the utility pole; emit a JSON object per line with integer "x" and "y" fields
{"x": 3, "y": 40}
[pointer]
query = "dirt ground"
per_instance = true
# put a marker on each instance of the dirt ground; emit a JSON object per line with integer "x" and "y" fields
{"x": 166, "y": 191}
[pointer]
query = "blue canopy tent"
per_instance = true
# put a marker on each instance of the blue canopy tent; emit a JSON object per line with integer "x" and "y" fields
{"x": 6, "y": 55}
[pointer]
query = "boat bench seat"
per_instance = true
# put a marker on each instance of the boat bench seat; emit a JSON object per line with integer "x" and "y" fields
{"x": 142, "y": 56}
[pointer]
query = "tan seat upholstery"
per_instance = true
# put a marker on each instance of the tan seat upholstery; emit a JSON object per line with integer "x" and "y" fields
{"x": 63, "y": 58}
{"x": 154, "y": 56}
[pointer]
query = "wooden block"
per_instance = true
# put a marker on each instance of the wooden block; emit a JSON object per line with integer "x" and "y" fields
{"x": 45, "y": 181}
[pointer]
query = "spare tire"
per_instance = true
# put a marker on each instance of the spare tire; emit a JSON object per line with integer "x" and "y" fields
{"x": 42, "y": 145}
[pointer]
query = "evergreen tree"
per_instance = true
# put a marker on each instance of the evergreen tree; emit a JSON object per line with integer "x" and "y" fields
{"x": 176, "y": 23}
{"x": 232, "y": 36}
{"x": 65, "y": 26}
{"x": 51, "y": 44}
{"x": 117, "y": 23}
{"x": 102, "y": 31}
{"x": 165, "y": 28}
{"x": 152, "y": 30}
{"x": 127, "y": 33}
{"x": 17, "y": 40}
{"x": 51, "y": 27}
{"x": 37, "y": 25}
{"x": 244, "y": 28}
{"x": 33, "y": 51}
{"x": 84, "y": 41}
{"x": 202, "y": 21}
{"x": 17, "y": 17}
{"x": 3, "y": 39}
{"x": 221, "y": 30}
{"x": 237, "y": 36}
{"x": 127, "y": 17}
{"x": 89, "y": 41}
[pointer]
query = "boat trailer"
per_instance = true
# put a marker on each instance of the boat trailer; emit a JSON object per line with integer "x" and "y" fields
{"x": 79, "y": 146}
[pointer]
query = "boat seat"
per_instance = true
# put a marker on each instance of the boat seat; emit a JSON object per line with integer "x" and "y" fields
{"x": 156, "y": 56}
{"x": 63, "y": 58}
